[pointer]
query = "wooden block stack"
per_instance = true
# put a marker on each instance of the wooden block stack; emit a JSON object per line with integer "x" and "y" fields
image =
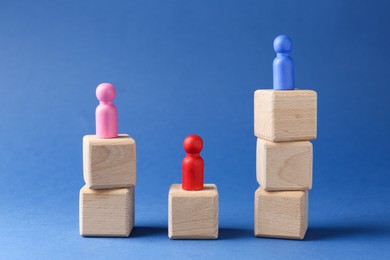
{"x": 107, "y": 199}
{"x": 285, "y": 120}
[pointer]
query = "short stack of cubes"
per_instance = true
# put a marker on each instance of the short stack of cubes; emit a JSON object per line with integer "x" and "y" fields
{"x": 284, "y": 123}
{"x": 107, "y": 199}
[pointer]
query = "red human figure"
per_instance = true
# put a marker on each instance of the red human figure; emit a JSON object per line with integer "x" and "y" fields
{"x": 193, "y": 165}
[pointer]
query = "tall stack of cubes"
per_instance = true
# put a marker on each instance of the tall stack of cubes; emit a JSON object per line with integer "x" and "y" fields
{"x": 285, "y": 120}
{"x": 109, "y": 165}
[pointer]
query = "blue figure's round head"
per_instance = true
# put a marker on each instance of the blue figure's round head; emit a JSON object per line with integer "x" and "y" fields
{"x": 282, "y": 44}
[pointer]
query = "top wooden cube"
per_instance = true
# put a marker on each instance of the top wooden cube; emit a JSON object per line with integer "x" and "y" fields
{"x": 285, "y": 115}
{"x": 109, "y": 163}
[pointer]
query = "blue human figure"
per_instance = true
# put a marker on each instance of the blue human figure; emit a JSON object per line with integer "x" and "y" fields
{"x": 283, "y": 66}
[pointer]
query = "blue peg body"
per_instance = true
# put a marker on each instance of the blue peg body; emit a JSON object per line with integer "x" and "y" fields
{"x": 283, "y": 65}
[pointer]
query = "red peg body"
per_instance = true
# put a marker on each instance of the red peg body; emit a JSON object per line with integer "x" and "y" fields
{"x": 193, "y": 165}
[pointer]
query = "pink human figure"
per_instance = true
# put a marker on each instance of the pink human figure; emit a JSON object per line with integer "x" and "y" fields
{"x": 106, "y": 112}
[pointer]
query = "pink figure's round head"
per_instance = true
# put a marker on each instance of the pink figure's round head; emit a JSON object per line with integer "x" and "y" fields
{"x": 105, "y": 92}
{"x": 193, "y": 144}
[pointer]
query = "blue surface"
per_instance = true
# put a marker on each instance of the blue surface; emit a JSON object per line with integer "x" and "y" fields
{"x": 283, "y": 65}
{"x": 163, "y": 56}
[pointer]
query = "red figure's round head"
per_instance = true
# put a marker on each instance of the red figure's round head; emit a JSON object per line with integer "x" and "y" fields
{"x": 105, "y": 92}
{"x": 193, "y": 144}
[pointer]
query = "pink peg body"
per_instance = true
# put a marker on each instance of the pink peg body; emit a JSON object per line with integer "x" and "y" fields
{"x": 106, "y": 112}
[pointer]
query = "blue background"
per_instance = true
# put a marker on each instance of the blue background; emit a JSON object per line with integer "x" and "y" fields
{"x": 183, "y": 67}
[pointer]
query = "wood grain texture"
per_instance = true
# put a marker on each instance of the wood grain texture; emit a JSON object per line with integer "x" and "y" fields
{"x": 109, "y": 163}
{"x": 193, "y": 214}
{"x": 285, "y": 115}
{"x": 106, "y": 213}
{"x": 284, "y": 166}
{"x": 281, "y": 214}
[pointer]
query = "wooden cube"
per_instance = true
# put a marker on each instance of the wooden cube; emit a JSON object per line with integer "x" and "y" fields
{"x": 109, "y": 163}
{"x": 284, "y": 166}
{"x": 106, "y": 213}
{"x": 281, "y": 214}
{"x": 285, "y": 115}
{"x": 193, "y": 214}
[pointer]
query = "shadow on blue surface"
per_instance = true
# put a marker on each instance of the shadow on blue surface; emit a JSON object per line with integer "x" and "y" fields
{"x": 143, "y": 231}
{"x": 336, "y": 232}
{"x": 224, "y": 233}
{"x": 234, "y": 233}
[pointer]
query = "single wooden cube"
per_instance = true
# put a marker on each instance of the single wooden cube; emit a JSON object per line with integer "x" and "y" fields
{"x": 285, "y": 115}
{"x": 109, "y": 163}
{"x": 193, "y": 214}
{"x": 284, "y": 166}
{"x": 281, "y": 214}
{"x": 106, "y": 213}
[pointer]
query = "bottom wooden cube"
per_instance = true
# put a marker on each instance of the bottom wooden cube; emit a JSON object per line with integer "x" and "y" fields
{"x": 193, "y": 214}
{"x": 106, "y": 213}
{"x": 281, "y": 214}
